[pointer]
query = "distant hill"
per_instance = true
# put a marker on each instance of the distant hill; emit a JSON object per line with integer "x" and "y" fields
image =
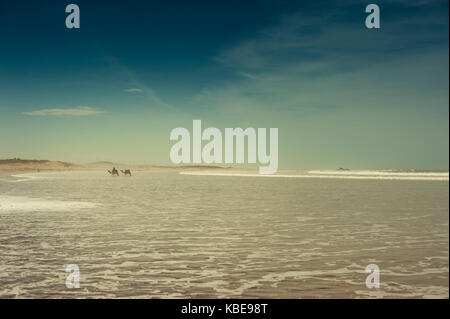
{"x": 18, "y": 164}
{"x": 33, "y": 164}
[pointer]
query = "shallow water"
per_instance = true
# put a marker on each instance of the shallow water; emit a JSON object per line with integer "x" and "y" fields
{"x": 163, "y": 234}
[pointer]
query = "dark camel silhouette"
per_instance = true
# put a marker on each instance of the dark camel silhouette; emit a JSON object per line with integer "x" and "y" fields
{"x": 114, "y": 172}
{"x": 126, "y": 172}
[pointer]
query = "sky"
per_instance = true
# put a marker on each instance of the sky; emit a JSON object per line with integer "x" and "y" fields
{"x": 340, "y": 94}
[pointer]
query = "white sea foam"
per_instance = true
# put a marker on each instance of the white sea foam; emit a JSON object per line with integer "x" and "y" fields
{"x": 223, "y": 237}
{"x": 374, "y": 175}
{"x": 381, "y": 173}
{"x": 26, "y": 177}
{"x": 22, "y": 203}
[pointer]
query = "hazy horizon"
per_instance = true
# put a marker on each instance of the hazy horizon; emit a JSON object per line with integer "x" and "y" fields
{"x": 225, "y": 165}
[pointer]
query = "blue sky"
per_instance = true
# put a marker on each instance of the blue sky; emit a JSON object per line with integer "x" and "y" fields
{"x": 340, "y": 94}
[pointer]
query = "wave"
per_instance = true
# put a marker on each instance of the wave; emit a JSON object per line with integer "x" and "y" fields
{"x": 25, "y": 204}
{"x": 367, "y": 175}
{"x": 381, "y": 173}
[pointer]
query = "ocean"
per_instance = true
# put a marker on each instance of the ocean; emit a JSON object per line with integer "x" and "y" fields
{"x": 162, "y": 234}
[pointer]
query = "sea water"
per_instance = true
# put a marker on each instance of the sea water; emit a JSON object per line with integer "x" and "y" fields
{"x": 206, "y": 234}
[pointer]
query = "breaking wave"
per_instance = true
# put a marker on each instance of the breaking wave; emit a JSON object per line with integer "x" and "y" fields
{"x": 374, "y": 175}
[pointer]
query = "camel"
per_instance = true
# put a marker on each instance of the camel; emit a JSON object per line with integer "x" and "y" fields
{"x": 126, "y": 172}
{"x": 114, "y": 172}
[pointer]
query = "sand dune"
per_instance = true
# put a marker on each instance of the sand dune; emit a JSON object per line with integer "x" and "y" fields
{"x": 36, "y": 165}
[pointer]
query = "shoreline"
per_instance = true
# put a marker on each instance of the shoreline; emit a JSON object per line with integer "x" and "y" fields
{"x": 16, "y": 169}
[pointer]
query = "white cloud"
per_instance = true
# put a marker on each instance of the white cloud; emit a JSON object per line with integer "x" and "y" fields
{"x": 133, "y": 90}
{"x": 78, "y": 111}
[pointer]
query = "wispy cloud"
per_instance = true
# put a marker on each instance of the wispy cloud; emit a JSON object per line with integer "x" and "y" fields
{"x": 303, "y": 67}
{"x": 78, "y": 111}
{"x": 133, "y": 90}
{"x": 248, "y": 75}
{"x": 137, "y": 86}
{"x": 305, "y": 44}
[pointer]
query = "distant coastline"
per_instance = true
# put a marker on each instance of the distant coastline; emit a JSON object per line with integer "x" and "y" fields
{"x": 27, "y": 165}
{"x": 35, "y": 165}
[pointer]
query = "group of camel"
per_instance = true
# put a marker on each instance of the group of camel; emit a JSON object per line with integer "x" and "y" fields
{"x": 115, "y": 172}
